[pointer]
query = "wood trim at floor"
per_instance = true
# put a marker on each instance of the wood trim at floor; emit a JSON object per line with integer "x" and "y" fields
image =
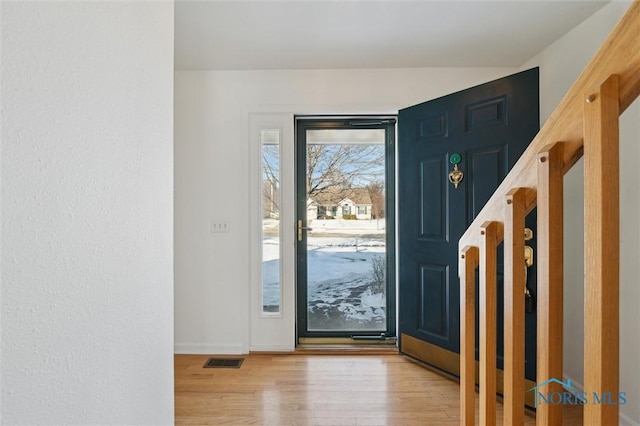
{"x": 450, "y": 362}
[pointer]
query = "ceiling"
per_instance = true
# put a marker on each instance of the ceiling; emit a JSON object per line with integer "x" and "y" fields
{"x": 307, "y": 34}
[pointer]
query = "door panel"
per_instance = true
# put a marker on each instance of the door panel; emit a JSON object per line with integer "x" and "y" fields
{"x": 486, "y": 113}
{"x": 433, "y": 216}
{"x": 489, "y": 127}
{"x": 432, "y": 126}
{"x": 490, "y": 163}
{"x": 434, "y": 286}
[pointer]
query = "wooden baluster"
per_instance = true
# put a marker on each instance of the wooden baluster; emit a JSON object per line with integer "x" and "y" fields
{"x": 467, "y": 271}
{"x": 488, "y": 326}
{"x": 550, "y": 279}
{"x": 602, "y": 251}
{"x": 514, "y": 286}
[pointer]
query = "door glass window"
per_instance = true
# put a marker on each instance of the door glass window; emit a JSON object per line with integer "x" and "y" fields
{"x": 271, "y": 287}
{"x": 346, "y": 282}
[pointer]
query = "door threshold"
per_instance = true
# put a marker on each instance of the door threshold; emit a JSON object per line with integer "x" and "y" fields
{"x": 347, "y": 341}
{"x": 346, "y": 345}
{"x": 326, "y": 349}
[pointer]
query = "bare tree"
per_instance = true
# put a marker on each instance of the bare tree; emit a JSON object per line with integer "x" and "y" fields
{"x": 376, "y": 193}
{"x": 270, "y": 181}
{"x": 331, "y": 169}
{"x": 342, "y": 166}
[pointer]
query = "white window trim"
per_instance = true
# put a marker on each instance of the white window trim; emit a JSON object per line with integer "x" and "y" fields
{"x": 272, "y": 331}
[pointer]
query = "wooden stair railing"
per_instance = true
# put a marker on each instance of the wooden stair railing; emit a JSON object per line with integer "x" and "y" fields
{"x": 585, "y": 122}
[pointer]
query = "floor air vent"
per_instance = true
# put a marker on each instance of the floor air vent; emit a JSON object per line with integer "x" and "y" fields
{"x": 223, "y": 363}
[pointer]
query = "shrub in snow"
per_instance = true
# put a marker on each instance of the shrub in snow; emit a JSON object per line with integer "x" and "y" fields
{"x": 379, "y": 272}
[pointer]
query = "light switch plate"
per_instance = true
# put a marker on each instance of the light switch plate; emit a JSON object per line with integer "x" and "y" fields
{"x": 220, "y": 226}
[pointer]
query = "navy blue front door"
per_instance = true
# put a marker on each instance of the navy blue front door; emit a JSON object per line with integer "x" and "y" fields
{"x": 481, "y": 131}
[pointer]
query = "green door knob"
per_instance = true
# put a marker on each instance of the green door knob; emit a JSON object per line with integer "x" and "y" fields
{"x": 455, "y": 158}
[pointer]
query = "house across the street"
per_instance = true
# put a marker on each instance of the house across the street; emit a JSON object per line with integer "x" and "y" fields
{"x": 336, "y": 203}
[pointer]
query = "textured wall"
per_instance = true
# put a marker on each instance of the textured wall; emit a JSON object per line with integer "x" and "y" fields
{"x": 87, "y": 296}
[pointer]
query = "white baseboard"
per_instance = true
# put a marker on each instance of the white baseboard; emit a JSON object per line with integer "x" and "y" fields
{"x": 190, "y": 349}
{"x": 576, "y": 385}
{"x": 627, "y": 421}
{"x": 271, "y": 348}
{"x": 624, "y": 420}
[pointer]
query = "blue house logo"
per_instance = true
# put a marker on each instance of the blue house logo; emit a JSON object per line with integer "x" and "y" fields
{"x": 572, "y": 396}
{"x": 541, "y": 396}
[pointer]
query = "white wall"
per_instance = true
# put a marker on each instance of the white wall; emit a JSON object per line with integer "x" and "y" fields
{"x": 212, "y": 110}
{"x": 560, "y": 65}
{"x": 87, "y": 296}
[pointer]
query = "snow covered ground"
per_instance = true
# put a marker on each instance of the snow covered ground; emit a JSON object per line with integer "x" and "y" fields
{"x": 342, "y": 294}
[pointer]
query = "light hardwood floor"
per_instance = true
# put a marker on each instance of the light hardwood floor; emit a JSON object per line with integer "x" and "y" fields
{"x": 318, "y": 389}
